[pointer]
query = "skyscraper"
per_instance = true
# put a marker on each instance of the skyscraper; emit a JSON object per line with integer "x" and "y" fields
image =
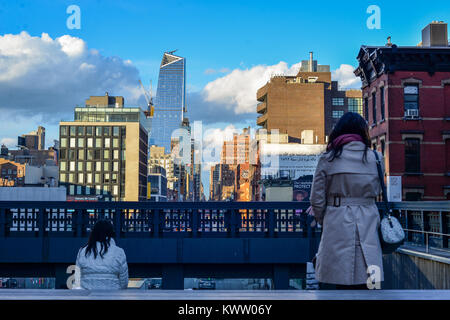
{"x": 170, "y": 100}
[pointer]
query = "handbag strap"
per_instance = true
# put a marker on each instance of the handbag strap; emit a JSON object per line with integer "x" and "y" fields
{"x": 383, "y": 186}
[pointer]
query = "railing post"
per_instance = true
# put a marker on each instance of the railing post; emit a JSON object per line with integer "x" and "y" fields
{"x": 233, "y": 223}
{"x": 271, "y": 221}
{"x": 41, "y": 221}
{"x": 2, "y": 222}
{"x": 118, "y": 222}
{"x": 155, "y": 228}
{"x": 194, "y": 222}
{"x": 444, "y": 228}
{"x": 78, "y": 222}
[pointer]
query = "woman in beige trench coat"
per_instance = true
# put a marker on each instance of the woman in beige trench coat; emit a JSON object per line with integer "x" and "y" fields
{"x": 343, "y": 195}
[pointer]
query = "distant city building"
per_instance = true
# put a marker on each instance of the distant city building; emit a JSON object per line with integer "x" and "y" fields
{"x": 14, "y": 174}
{"x": 103, "y": 153}
{"x": 35, "y": 140}
{"x": 158, "y": 184}
{"x": 35, "y": 157}
{"x": 170, "y": 102}
{"x": 158, "y": 158}
{"x": 406, "y": 93}
{"x": 305, "y": 106}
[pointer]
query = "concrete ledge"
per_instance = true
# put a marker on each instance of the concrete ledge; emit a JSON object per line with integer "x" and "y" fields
{"x": 40, "y": 294}
{"x": 435, "y": 255}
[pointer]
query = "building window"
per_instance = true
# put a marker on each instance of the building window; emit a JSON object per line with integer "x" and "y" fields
{"x": 383, "y": 146}
{"x": 355, "y": 105}
{"x": 72, "y": 166}
{"x": 81, "y": 154}
{"x": 411, "y": 100}
{"x": 412, "y": 155}
{"x": 338, "y": 101}
{"x": 63, "y": 142}
{"x": 63, "y": 130}
{"x": 63, "y": 166}
{"x": 89, "y": 131}
{"x": 80, "y": 165}
{"x": 374, "y": 108}
{"x": 73, "y": 130}
{"x": 366, "y": 109}
{"x": 382, "y": 101}
{"x": 80, "y": 130}
{"x": 337, "y": 114}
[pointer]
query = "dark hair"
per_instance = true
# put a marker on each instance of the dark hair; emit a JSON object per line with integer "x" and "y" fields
{"x": 349, "y": 123}
{"x": 102, "y": 232}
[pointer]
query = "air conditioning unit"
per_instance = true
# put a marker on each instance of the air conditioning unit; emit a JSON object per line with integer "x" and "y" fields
{"x": 411, "y": 113}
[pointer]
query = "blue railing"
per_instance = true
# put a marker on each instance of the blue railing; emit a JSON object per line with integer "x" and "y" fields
{"x": 134, "y": 219}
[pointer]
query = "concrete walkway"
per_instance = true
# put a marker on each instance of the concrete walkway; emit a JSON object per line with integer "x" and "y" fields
{"x": 41, "y": 294}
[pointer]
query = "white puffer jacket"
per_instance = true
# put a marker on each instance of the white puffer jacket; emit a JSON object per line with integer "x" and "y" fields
{"x": 107, "y": 273}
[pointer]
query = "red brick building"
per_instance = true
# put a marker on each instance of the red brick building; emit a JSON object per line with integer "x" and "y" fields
{"x": 406, "y": 96}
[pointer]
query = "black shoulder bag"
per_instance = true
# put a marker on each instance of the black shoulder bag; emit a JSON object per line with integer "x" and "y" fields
{"x": 391, "y": 232}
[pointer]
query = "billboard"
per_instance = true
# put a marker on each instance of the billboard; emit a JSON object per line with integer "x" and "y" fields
{"x": 291, "y": 162}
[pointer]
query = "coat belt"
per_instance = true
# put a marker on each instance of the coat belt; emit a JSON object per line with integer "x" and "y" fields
{"x": 337, "y": 201}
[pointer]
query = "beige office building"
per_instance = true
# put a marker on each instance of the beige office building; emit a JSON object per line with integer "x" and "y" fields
{"x": 103, "y": 154}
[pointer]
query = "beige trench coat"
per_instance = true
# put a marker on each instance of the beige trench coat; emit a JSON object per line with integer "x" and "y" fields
{"x": 349, "y": 242}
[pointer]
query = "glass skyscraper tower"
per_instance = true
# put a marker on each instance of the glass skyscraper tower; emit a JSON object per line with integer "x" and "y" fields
{"x": 170, "y": 100}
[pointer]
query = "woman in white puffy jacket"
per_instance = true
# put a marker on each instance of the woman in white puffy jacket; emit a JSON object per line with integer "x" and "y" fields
{"x": 102, "y": 264}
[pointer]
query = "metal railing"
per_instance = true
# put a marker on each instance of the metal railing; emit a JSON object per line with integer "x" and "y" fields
{"x": 134, "y": 219}
{"x": 426, "y": 223}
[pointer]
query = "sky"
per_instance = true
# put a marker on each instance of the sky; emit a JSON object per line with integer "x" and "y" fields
{"x": 231, "y": 49}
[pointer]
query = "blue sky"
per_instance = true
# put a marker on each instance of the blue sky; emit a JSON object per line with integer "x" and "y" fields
{"x": 231, "y": 47}
{"x": 225, "y": 34}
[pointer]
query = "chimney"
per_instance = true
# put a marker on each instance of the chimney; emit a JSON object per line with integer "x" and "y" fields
{"x": 310, "y": 61}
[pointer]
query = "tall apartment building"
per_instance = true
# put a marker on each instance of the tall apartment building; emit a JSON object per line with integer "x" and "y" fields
{"x": 406, "y": 93}
{"x": 103, "y": 153}
{"x": 304, "y": 106}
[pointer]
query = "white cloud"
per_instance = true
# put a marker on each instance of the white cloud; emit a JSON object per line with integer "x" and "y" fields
{"x": 41, "y": 74}
{"x": 9, "y": 142}
{"x": 49, "y": 77}
{"x": 347, "y": 79}
{"x": 236, "y": 91}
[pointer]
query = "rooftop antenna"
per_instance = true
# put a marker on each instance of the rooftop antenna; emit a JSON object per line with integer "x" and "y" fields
{"x": 171, "y": 52}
